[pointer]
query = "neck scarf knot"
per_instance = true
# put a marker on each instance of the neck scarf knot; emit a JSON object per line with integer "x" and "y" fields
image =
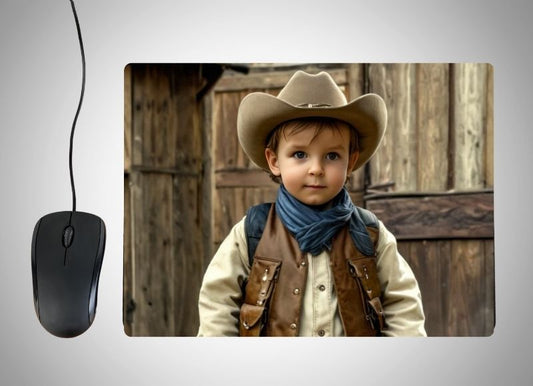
{"x": 314, "y": 228}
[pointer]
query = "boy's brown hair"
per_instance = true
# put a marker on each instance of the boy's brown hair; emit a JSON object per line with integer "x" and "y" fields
{"x": 297, "y": 125}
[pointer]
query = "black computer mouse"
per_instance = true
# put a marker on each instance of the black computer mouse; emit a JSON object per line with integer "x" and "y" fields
{"x": 66, "y": 258}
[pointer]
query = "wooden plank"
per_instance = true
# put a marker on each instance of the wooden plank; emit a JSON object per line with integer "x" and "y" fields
{"x": 187, "y": 251}
{"x": 433, "y": 126}
{"x": 228, "y": 153}
{"x": 467, "y": 301}
{"x": 187, "y": 256}
{"x": 127, "y": 117}
{"x": 138, "y": 78}
{"x": 489, "y": 143}
{"x": 183, "y": 118}
{"x": 429, "y": 261}
{"x": 456, "y": 280}
{"x": 380, "y": 167}
{"x": 396, "y": 159}
{"x": 154, "y": 128}
{"x": 488, "y": 308}
{"x": 127, "y": 267}
{"x": 404, "y": 167}
{"x": 437, "y": 217}
{"x": 355, "y": 88}
{"x": 269, "y": 80}
{"x": 207, "y": 182}
{"x": 243, "y": 178}
{"x": 164, "y": 98}
{"x": 354, "y": 81}
{"x": 153, "y": 244}
{"x": 225, "y": 131}
{"x": 242, "y": 159}
{"x": 166, "y": 187}
{"x": 469, "y": 116}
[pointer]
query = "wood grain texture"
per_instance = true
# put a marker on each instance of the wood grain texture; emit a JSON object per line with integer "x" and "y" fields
{"x": 166, "y": 194}
{"x": 456, "y": 280}
{"x": 433, "y": 126}
{"x": 154, "y": 136}
{"x": 468, "y": 125}
{"x": 152, "y": 235}
{"x": 381, "y": 163}
{"x": 207, "y": 179}
{"x": 354, "y": 88}
{"x": 429, "y": 261}
{"x": 467, "y": 301}
{"x": 127, "y": 118}
{"x": 437, "y": 217}
{"x": 184, "y": 118}
{"x": 489, "y": 143}
{"x": 244, "y": 178}
{"x": 187, "y": 255}
{"x": 228, "y": 153}
{"x": 127, "y": 269}
{"x": 270, "y": 80}
{"x": 396, "y": 159}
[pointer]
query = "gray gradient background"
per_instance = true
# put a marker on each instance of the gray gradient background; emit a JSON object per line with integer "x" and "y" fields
{"x": 39, "y": 86}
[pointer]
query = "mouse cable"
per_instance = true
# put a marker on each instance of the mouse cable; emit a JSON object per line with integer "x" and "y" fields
{"x": 79, "y": 107}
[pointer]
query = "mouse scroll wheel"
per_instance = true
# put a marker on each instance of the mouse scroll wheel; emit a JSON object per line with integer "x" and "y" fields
{"x": 68, "y": 235}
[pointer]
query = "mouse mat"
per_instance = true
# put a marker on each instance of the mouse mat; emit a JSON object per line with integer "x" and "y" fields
{"x": 187, "y": 182}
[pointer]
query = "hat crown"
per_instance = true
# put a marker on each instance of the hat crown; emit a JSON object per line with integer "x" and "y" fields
{"x": 307, "y": 90}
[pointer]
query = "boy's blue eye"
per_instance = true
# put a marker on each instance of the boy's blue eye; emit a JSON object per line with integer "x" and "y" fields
{"x": 332, "y": 156}
{"x": 299, "y": 155}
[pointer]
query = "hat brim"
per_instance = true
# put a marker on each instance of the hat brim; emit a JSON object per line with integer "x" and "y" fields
{"x": 259, "y": 113}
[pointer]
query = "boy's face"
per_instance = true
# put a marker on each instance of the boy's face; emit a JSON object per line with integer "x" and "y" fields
{"x": 313, "y": 167}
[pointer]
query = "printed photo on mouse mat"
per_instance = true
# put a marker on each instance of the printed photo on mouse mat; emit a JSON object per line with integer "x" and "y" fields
{"x": 315, "y": 199}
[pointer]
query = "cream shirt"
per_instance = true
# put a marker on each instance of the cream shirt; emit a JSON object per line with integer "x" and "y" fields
{"x": 221, "y": 297}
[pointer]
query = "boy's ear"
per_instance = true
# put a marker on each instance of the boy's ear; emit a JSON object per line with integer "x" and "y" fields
{"x": 272, "y": 160}
{"x": 353, "y": 159}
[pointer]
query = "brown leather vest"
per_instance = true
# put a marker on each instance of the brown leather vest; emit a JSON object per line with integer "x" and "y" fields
{"x": 276, "y": 285}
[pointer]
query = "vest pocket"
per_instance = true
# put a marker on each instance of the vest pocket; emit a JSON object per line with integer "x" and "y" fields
{"x": 258, "y": 291}
{"x": 250, "y": 318}
{"x": 364, "y": 271}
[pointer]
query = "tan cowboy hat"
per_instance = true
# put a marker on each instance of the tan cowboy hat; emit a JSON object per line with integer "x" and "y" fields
{"x": 306, "y": 95}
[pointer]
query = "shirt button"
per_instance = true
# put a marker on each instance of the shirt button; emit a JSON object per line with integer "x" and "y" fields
{"x": 296, "y": 291}
{"x": 303, "y": 264}
{"x": 322, "y": 287}
{"x": 321, "y": 332}
{"x": 293, "y": 326}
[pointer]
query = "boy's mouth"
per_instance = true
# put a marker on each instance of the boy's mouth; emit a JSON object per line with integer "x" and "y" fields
{"x": 315, "y": 186}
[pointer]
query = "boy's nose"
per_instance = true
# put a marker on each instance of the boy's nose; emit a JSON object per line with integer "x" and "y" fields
{"x": 316, "y": 168}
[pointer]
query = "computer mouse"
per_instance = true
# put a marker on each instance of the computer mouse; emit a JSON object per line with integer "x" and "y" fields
{"x": 66, "y": 258}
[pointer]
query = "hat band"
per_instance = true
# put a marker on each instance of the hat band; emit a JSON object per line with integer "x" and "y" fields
{"x": 311, "y": 105}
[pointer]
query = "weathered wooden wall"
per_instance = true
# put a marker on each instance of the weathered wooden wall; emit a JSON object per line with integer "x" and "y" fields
{"x": 440, "y": 139}
{"x": 164, "y": 221}
{"x": 440, "y": 133}
{"x": 187, "y": 182}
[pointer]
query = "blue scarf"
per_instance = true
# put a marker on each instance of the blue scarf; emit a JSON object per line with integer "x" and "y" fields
{"x": 314, "y": 228}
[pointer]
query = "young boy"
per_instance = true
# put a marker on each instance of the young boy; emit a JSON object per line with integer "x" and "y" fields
{"x": 310, "y": 264}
